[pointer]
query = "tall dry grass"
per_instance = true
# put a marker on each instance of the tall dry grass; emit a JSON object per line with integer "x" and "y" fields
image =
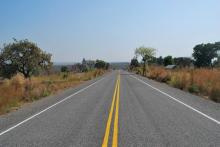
{"x": 19, "y": 90}
{"x": 205, "y": 82}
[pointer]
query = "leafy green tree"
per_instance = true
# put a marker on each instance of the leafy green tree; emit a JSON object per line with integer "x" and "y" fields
{"x": 168, "y": 60}
{"x": 204, "y": 53}
{"x": 7, "y": 71}
{"x": 183, "y": 61}
{"x": 100, "y": 64}
{"x": 134, "y": 63}
{"x": 152, "y": 61}
{"x": 147, "y": 54}
{"x": 84, "y": 61}
{"x": 25, "y": 57}
{"x": 160, "y": 60}
{"x": 64, "y": 69}
{"x": 90, "y": 64}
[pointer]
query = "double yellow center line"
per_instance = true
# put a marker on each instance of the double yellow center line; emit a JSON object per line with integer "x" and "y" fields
{"x": 115, "y": 99}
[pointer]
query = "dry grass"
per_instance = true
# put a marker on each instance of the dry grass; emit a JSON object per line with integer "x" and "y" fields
{"x": 19, "y": 90}
{"x": 204, "y": 82}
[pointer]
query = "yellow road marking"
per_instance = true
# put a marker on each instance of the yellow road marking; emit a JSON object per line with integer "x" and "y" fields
{"x": 105, "y": 141}
{"x": 115, "y": 133}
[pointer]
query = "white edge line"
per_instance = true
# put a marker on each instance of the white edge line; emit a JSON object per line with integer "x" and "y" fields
{"x": 188, "y": 106}
{"x": 33, "y": 116}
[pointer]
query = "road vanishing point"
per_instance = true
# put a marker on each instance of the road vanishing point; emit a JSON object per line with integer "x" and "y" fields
{"x": 119, "y": 109}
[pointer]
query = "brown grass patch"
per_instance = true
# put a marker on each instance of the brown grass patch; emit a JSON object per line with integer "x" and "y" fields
{"x": 202, "y": 81}
{"x": 18, "y": 90}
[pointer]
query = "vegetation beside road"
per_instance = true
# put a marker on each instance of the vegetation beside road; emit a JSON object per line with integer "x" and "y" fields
{"x": 198, "y": 75}
{"x": 201, "y": 81}
{"x": 26, "y": 74}
{"x": 18, "y": 90}
{"x": 204, "y": 82}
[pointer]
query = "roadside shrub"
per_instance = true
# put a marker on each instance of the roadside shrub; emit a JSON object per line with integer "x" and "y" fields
{"x": 65, "y": 75}
{"x": 34, "y": 94}
{"x": 179, "y": 81}
{"x": 17, "y": 81}
{"x": 97, "y": 72}
{"x": 159, "y": 74}
{"x": 193, "y": 89}
{"x": 164, "y": 77}
{"x": 138, "y": 70}
{"x": 175, "y": 81}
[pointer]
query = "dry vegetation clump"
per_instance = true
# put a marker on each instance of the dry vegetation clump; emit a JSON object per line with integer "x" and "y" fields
{"x": 204, "y": 82}
{"x": 19, "y": 90}
{"x": 159, "y": 74}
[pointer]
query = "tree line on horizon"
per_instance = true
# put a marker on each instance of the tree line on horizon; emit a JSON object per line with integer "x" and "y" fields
{"x": 86, "y": 65}
{"x": 203, "y": 56}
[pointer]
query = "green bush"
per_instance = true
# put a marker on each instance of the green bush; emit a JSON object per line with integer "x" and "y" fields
{"x": 193, "y": 89}
{"x": 45, "y": 93}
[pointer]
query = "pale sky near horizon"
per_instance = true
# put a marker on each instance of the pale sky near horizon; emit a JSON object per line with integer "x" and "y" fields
{"x": 110, "y": 29}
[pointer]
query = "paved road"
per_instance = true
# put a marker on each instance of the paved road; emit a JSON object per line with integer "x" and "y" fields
{"x": 125, "y": 111}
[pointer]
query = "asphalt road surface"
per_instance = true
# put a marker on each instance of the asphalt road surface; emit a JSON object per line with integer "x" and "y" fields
{"x": 117, "y": 109}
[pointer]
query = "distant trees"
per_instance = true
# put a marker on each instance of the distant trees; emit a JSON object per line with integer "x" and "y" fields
{"x": 168, "y": 60}
{"x": 147, "y": 54}
{"x": 183, "y": 61}
{"x": 88, "y": 65}
{"x": 64, "y": 69}
{"x": 84, "y": 66}
{"x": 23, "y": 56}
{"x": 160, "y": 60}
{"x": 100, "y": 64}
{"x": 204, "y": 53}
{"x": 134, "y": 63}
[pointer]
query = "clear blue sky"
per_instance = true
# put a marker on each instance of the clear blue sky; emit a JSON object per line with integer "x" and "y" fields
{"x": 110, "y": 29}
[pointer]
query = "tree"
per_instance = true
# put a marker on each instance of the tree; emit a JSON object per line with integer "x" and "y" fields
{"x": 168, "y": 60}
{"x": 64, "y": 69}
{"x": 204, "y": 53}
{"x": 147, "y": 54}
{"x": 160, "y": 60}
{"x": 183, "y": 61}
{"x": 84, "y": 66}
{"x": 100, "y": 64}
{"x": 152, "y": 61}
{"x": 90, "y": 64}
{"x": 77, "y": 67}
{"x": 134, "y": 63}
{"x": 25, "y": 57}
{"x": 84, "y": 61}
{"x": 8, "y": 71}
